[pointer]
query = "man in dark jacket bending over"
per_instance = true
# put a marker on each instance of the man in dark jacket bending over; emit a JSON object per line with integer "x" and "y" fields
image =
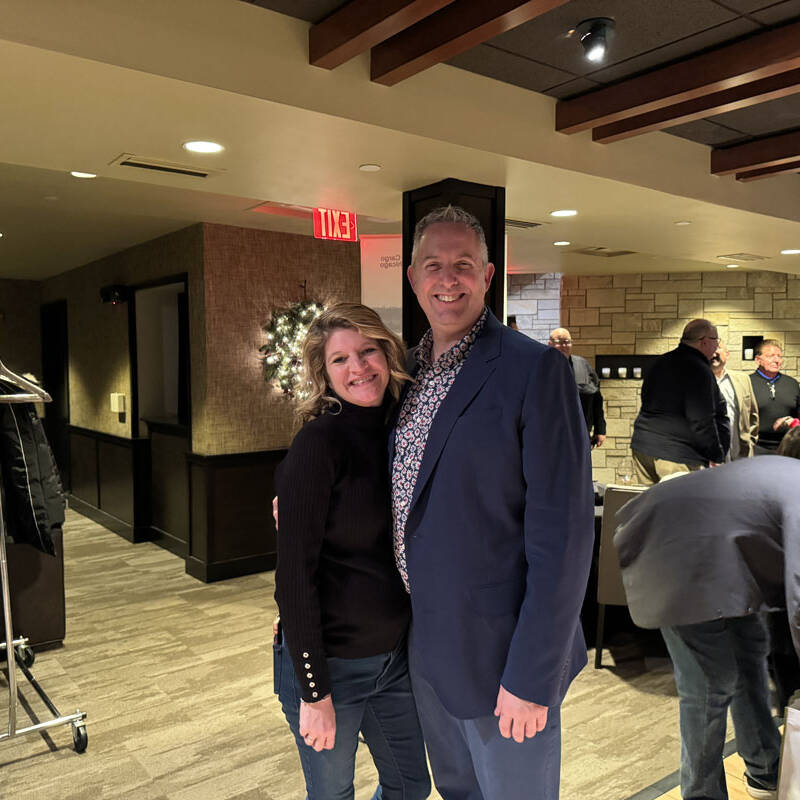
{"x": 683, "y": 423}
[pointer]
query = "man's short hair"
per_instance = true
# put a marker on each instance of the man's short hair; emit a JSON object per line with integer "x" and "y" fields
{"x": 453, "y": 215}
{"x": 697, "y": 329}
{"x": 790, "y": 444}
{"x": 768, "y": 343}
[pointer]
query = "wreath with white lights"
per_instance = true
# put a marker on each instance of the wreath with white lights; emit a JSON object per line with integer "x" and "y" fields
{"x": 283, "y": 352}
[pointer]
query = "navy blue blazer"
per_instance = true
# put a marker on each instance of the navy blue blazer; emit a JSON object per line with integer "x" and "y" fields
{"x": 500, "y": 530}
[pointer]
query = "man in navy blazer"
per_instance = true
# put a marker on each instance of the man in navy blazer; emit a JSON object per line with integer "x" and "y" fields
{"x": 493, "y": 524}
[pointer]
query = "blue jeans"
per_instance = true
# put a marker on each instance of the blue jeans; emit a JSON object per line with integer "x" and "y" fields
{"x": 472, "y": 761}
{"x": 371, "y": 695}
{"x": 718, "y": 664}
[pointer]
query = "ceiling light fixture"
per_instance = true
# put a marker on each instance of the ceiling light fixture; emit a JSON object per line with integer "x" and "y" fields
{"x": 731, "y": 266}
{"x": 76, "y": 174}
{"x": 595, "y": 35}
{"x": 683, "y": 222}
{"x": 790, "y": 252}
{"x": 561, "y": 244}
{"x": 564, "y": 212}
{"x": 370, "y": 167}
{"x": 203, "y": 147}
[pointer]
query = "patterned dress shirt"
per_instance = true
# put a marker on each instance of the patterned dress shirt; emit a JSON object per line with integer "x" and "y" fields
{"x": 433, "y": 381}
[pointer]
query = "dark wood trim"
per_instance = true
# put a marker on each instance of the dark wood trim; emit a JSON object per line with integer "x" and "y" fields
{"x": 236, "y": 568}
{"x": 452, "y": 30}
{"x": 737, "y": 97}
{"x": 231, "y": 531}
{"x": 100, "y": 436}
{"x": 167, "y": 427}
{"x": 361, "y": 24}
{"x": 746, "y": 61}
{"x": 771, "y": 151}
{"x": 130, "y": 533}
{"x": 768, "y": 172}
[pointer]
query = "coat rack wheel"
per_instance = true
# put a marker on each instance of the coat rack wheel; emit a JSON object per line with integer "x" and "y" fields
{"x": 25, "y": 654}
{"x": 80, "y": 738}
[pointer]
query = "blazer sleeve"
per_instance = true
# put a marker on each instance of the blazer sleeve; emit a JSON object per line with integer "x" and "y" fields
{"x": 707, "y": 415}
{"x": 558, "y": 534}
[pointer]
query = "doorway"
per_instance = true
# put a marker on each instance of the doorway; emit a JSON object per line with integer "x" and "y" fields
{"x": 55, "y": 380}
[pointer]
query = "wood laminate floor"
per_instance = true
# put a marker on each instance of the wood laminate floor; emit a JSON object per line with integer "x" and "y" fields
{"x": 176, "y": 677}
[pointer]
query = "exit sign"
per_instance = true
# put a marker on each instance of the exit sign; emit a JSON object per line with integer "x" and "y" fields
{"x": 330, "y": 223}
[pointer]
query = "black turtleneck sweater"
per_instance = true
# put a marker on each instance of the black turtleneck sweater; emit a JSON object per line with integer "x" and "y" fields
{"x": 337, "y": 586}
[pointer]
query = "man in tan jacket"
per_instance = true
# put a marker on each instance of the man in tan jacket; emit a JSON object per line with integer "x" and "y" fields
{"x": 737, "y": 391}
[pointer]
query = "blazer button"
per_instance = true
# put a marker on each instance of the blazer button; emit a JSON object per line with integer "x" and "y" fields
{"x": 305, "y": 655}
{"x": 313, "y": 694}
{"x": 309, "y": 675}
{"x": 307, "y": 666}
{"x": 312, "y": 684}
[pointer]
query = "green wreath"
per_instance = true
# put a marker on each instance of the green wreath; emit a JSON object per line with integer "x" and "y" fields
{"x": 282, "y": 354}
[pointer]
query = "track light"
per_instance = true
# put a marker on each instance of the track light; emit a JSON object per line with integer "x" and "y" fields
{"x": 595, "y": 35}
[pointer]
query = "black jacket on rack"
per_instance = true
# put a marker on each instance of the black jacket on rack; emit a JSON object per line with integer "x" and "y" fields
{"x": 33, "y": 498}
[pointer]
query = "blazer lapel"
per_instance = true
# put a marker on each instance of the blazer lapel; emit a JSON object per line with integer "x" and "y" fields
{"x": 473, "y": 374}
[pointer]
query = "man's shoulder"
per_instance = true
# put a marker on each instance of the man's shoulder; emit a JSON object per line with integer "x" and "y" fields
{"x": 516, "y": 344}
{"x": 792, "y": 381}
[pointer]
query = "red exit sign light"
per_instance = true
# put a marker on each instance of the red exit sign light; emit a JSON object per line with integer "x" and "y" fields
{"x": 331, "y": 223}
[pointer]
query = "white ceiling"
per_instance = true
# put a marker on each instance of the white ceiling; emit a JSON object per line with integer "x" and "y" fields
{"x": 62, "y": 112}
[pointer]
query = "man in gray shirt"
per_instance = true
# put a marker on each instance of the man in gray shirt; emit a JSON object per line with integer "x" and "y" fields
{"x": 701, "y": 555}
{"x": 737, "y": 391}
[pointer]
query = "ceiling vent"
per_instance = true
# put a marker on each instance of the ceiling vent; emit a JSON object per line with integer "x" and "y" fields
{"x": 522, "y": 225}
{"x": 742, "y": 257}
{"x": 603, "y": 252}
{"x": 157, "y": 165}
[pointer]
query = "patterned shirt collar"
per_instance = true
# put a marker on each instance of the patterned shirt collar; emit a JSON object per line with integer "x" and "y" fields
{"x": 457, "y": 353}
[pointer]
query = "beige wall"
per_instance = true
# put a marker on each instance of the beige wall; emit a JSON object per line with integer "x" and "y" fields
{"x": 248, "y": 274}
{"x": 237, "y": 276}
{"x": 645, "y": 314}
{"x": 534, "y": 299}
{"x": 20, "y": 328}
{"x": 98, "y": 332}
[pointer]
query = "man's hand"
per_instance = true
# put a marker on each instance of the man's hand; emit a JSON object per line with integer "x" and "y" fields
{"x": 598, "y": 439}
{"x": 519, "y": 719}
{"x": 782, "y": 422}
{"x": 275, "y": 510}
{"x": 318, "y": 724}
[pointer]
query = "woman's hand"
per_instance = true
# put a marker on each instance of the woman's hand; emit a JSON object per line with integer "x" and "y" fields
{"x": 318, "y": 724}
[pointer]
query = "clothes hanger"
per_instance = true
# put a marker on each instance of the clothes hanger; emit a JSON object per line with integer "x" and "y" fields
{"x": 31, "y": 394}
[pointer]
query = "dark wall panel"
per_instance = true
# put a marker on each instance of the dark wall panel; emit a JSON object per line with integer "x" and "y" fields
{"x": 83, "y": 468}
{"x": 115, "y": 468}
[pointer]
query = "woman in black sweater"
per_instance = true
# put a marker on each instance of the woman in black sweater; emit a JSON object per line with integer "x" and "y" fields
{"x": 340, "y": 655}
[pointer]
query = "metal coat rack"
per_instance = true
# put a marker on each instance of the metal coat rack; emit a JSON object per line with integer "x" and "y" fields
{"x": 23, "y": 654}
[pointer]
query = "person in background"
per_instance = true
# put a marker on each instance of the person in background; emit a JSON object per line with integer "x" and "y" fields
{"x": 340, "y": 651}
{"x": 683, "y": 422}
{"x": 511, "y": 321}
{"x": 777, "y": 395}
{"x": 493, "y": 509}
{"x": 702, "y": 556}
{"x": 588, "y": 386}
{"x": 737, "y": 391}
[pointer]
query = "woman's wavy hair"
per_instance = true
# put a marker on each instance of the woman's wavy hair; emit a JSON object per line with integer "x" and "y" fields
{"x": 320, "y": 397}
{"x": 790, "y": 444}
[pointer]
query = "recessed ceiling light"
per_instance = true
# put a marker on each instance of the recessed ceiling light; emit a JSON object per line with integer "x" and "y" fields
{"x": 561, "y": 244}
{"x": 564, "y": 212}
{"x": 790, "y": 252}
{"x": 683, "y": 222}
{"x": 731, "y": 266}
{"x": 203, "y": 147}
{"x": 76, "y": 174}
{"x": 1, "y": 235}
{"x": 370, "y": 167}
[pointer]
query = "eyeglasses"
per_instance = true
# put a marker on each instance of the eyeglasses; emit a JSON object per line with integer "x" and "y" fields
{"x": 561, "y": 341}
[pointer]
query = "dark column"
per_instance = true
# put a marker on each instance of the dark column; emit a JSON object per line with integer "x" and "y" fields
{"x": 488, "y": 204}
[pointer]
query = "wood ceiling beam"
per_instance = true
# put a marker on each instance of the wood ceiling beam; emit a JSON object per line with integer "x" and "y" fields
{"x": 360, "y": 25}
{"x": 771, "y": 151}
{"x": 753, "y": 59}
{"x": 768, "y": 172}
{"x": 447, "y": 33}
{"x": 748, "y": 94}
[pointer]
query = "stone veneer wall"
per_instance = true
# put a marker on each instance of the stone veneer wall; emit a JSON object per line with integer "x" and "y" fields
{"x": 534, "y": 299}
{"x": 645, "y": 314}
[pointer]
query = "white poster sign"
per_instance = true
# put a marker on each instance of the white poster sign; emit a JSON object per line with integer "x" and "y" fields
{"x": 382, "y": 276}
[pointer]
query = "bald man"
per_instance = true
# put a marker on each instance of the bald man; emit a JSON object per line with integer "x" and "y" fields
{"x": 683, "y": 422}
{"x": 588, "y": 386}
